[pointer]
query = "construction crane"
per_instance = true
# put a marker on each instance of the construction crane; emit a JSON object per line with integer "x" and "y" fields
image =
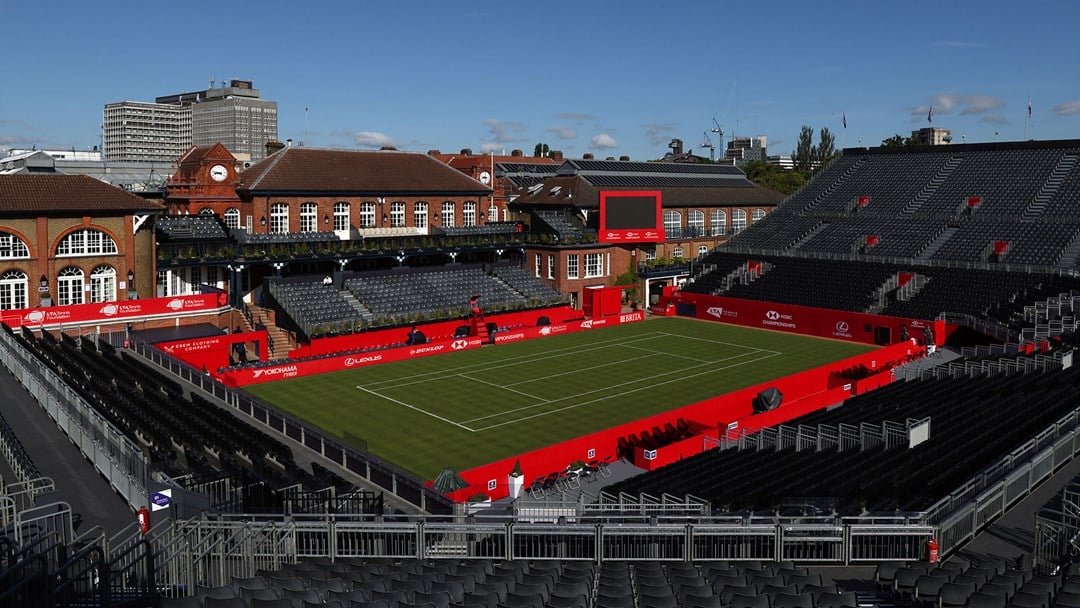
{"x": 716, "y": 128}
{"x": 708, "y": 144}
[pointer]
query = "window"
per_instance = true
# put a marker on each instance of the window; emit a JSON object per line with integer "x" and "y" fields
{"x": 205, "y": 211}
{"x": 367, "y": 214}
{"x": 397, "y": 214}
{"x": 738, "y": 221}
{"x": 594, "y": 265}
{"x": 309, "y": 217}
{"x": 232, "y": 217}
{"x": 69, "y": 286}
{"x": 420, "y": 215}
{"x": 103, "y": 284}
{"x": 572, "y": 266}
{"x": 86, "y": 242}
{"x": 14, "y": 292}
{"x": 759, "y": 214}
{"x": 342, "y": 212}
{"x": 468, "y": 214}
{"x": 673, "y": 223}
{"x": 493, "y": 213}
{"x": 279, "y": 218}
{"x": 718, "y": 223}
{"x": 448, "y": 215}
{"x": 551, "y": 266}
{"x": 702, "y": 250}
{"x": 677, "y": 253}
{"x": 695, "y": 223}
{"x": 12, "y": 247}
{"x": 212, "y": 276}
{"x": 538, "y": 265}
{"x": 650, "y": 254}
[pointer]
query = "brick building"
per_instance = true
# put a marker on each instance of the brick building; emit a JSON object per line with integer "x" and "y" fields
{"x": 497, "y": 171}
{"x": 70, "y": 239}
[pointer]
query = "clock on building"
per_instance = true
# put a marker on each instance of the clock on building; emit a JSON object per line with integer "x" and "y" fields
{"x": 218, "y": 173}
{"x": 485, "y": 178}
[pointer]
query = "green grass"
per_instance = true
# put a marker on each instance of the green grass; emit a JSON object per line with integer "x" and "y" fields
{"x": 473, "y": 407}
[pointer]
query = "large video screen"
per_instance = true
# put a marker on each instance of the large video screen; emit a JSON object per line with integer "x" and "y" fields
{"x": 631, "y": 217}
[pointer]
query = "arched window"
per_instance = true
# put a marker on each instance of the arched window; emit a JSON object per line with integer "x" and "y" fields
{"x": 718, "y": 222}
{"x": 86, "y": 242}
{"x": 14, "y": 291}
{"x": 757, "y": 215}
{"x": 397, "y": 214}
{"x": 232, "y": 217}
{"x": 448, "y": 213}
{"x": 367, "y": 214}
{"x": 738, "y": 221}
{"x": 673, "y": 223}
{"x": 695, "y": 223}
{"x": 12, "y": 247}
{"x": 342, "y": 211}
{"x": 279, "y": 218}
{"x": 493, "y": 213}
{"x": 420, "y": 215}
{"x": 309, "y": 217}
{"x": 468, "y": 213}
{"x": 69, "y": 286}
{"x": 206, "y": 211}
{"x": 103, "y": 284}
{"x": 702, "y": 250}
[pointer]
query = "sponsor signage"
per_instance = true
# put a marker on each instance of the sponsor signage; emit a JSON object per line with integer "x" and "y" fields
{"x": 110, "y": 312}
{"x": 778, "y": 319}
{"x": 631, "y": 217}
{"x": 160, "y": 500}
{"x": 842, "y": 330}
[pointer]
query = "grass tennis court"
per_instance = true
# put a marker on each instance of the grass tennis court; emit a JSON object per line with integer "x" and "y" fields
{"x": 472, "y": 407}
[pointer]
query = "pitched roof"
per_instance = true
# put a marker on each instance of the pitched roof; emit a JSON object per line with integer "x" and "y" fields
{"x": 356, "y": 172}
{"x": 58, "y": 194}
{"x": 462, "y": 162}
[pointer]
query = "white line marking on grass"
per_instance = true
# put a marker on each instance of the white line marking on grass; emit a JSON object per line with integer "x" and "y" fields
{"x": 606, "y": 388}
{"x": 579, "y": 370}
{"x": 710, "y": 340}
{"x": 604, "y": 398}
{"x": 505, "y": 388}
{"x": 413, "y": 407}
{"x": 510, "y": 361}
{"x": 666, "y": 354}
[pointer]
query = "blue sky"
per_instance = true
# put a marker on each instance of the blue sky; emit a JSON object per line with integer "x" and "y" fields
{"x": 611, "y": 78}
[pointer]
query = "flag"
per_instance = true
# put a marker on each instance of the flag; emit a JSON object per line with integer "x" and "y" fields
{"x": 1029, "y": 108}
{"x": 843, "y": 119}
{"x": 930, "y": 115}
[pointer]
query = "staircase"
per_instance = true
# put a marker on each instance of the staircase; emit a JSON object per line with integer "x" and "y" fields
{"x": 280, "y": 340}
{"x": 1053, "y": 183}
{"x": 1071, "y": 255}
{"x": 935, "y": 182}
{"x": 935, "y": 245}
{"x": 836, "y": 184}
{"x": 365, "y": 313}
{"x": 743, "y": 276}
{"x": 804, "y": 239}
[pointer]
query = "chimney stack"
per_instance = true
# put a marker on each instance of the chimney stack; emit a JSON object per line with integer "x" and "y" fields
{"x": 517, "y": 153}
{"x": 466, "y": 151}
{"x": 273, "y": 146}
{"x": 624, "y": 157}
{"x": 555, "y": 155}
{"x": 587, "y": 156}
{"x": 433, "y": 152}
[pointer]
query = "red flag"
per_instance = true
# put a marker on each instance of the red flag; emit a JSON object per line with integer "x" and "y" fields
{"x": 843, "y": 119}
{"x": 930, "y": 115}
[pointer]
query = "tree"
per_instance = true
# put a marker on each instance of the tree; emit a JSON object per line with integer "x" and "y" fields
{"x": 773, "y": 177}
{"x": 541, "y": 150}
{"x": 826, "y": 148}
{"x": 803, "y": 156}
{"x": 897, "y": 141}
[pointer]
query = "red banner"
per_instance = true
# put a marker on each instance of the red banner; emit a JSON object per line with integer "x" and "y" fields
{"x": 113, "y": 312}
{"x": 296, "y": 369}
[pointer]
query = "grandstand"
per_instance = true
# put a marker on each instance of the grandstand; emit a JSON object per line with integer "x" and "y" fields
{"x": 982, "y": 239}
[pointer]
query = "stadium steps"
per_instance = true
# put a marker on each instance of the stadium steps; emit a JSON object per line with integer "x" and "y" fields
{"x": 935, "y": 182}
{"x": 1050, "y": 187}
{"x": 1071, "y": 255}
{"x": 358, "y": 306}
{"x": 836, "y": 184}
{"x": 804, "y": 239}
{"x": 928, "y": 252}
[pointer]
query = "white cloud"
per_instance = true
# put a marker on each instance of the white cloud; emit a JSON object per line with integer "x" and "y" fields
{"x": 994, "y": 118}
{"x": 563, "y": 133}
{"x": 492, "y": 147}
{"x": 372, "y": 139}
{"x": 659, "y": 133}
{"x": 505, "y": 131}
{"x": 603, "y": 141}
{"x": 1069, "y": 108}
{"x": 575, "y": 116}
{"x": 967, "y": 104}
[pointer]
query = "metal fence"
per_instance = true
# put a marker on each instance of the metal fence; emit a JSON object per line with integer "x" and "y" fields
{"x": 119, "y": 460}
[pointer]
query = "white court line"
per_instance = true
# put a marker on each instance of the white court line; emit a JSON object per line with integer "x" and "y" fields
{"x": 662, "y": 353}
{"x": 508, "y": 362}
{"x": 606, "y": 388}
{"x": 485, "y": 428}
{"x": 413, "y": 407}
{"x": 505, "y": 388}
{"x": 575, "y": 371}
{"x": 711, "y": 341}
